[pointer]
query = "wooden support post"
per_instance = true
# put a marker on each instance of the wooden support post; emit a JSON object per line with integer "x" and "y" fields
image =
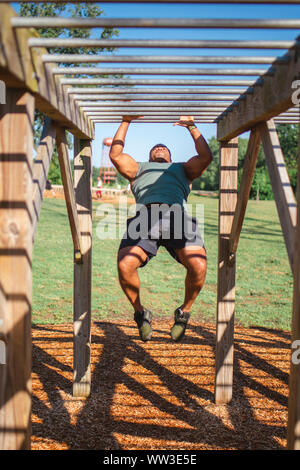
{"x": 226, "y": 272}
{"x": 66, "y": 175}
{"x": 16, "y": 143}
{"x": 293, "y": 432}
{"x": 245, "y": 187}
{"x": 41, "y": 167}
{"x": 83, "y": 271}
{"x": 282, "y": 190}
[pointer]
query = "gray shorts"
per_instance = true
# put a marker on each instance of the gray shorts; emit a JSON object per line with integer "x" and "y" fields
{"x": 163, "y": 225}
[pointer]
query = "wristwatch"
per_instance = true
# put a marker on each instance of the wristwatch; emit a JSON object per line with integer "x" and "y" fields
{"x": 190, "y": 128}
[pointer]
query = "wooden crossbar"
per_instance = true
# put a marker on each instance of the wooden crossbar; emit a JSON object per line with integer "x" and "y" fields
{"x": 270, "y": 96}
{"x": 21, "y": 67}
{"x": 282, "y": 190}
{"x": 66, "y": 175}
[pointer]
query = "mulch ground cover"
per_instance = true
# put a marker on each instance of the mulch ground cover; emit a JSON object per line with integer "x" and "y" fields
{"x": 159, "y": 395}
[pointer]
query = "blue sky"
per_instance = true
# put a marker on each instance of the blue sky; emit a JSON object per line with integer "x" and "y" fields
{"x": 141, "y": 137}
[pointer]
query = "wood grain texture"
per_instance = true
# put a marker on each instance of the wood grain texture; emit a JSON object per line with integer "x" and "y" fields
{"x": 66, "y": 176}
{"x": 293, "y": 431}
{"x": 270, "y": 97}
{"x": 83, "y": 271}
{"x": 16, "y": 143}
{"x": 245, "y": 187}
{"x": 23, "y": 67}
{"x": 282, "y": 190}
{"x": 226, "y": 272}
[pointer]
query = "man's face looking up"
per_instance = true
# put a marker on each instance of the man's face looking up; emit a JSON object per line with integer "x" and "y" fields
{"x": 160, "y": 153}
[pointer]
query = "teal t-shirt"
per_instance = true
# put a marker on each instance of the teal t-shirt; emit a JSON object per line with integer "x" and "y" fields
{"x": 161, "y": 182}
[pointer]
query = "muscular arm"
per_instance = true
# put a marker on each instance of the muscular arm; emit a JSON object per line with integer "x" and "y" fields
{"x": 124, "y": 163}
{"x": 196, "y": 165}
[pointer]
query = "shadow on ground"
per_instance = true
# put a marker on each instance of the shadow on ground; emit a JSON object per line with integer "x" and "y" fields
{"x": 159, "y": 395}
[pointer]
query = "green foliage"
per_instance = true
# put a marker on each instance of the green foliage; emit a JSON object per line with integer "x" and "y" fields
{"x": 264, "y": 282}
{"x": 261, "y": 185}
{"x": 95, "y": 174}
{"x": 121, "y": 180}
{"x": 288, "y": 137}
{"x": 84, "y": 10}
{"x": 54, "y": 171}
{"x": 54, "y": 175}
{"x": 209, "y": 181}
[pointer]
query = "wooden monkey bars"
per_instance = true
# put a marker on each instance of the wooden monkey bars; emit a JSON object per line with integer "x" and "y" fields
{"x": 236, "y": 92}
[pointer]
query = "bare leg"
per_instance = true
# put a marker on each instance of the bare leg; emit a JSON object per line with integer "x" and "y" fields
{"x": 194, "y": 260}
{"x": 129, "y": 259}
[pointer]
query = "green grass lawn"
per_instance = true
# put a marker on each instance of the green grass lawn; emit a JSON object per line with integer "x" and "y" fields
{"x": 263, "y": 283}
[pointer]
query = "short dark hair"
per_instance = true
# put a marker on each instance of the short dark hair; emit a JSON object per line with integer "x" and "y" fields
{"x": 159, "y": 145}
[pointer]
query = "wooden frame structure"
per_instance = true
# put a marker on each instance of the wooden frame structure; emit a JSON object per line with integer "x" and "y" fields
{"x": 235, "y": 104}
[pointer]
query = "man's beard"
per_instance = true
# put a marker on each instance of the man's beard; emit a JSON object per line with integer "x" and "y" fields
{"x": 160, "y": 160}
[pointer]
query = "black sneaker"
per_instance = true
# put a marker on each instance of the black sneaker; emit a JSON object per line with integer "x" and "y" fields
{"x": 180, "y": 322}
{"x": 143, "y": 321}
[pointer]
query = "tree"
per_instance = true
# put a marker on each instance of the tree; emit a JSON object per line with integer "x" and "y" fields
{"x": 288, "y": 136}
{"x": 121, "y": 180}
{"x": 261, "y": 185}
{"x": 54, "y": 175}
{"x": 54, "y": 10}
{"x": 209, "y": 181}
{"x": 95, "y": 174}
{"x": 84, "y": 10}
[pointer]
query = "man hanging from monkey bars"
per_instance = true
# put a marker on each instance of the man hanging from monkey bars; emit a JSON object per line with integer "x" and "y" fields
{"x": 161, "y": 188}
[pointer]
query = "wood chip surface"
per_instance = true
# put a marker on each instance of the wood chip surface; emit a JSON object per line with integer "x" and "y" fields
{"x": 159, "y": 395}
